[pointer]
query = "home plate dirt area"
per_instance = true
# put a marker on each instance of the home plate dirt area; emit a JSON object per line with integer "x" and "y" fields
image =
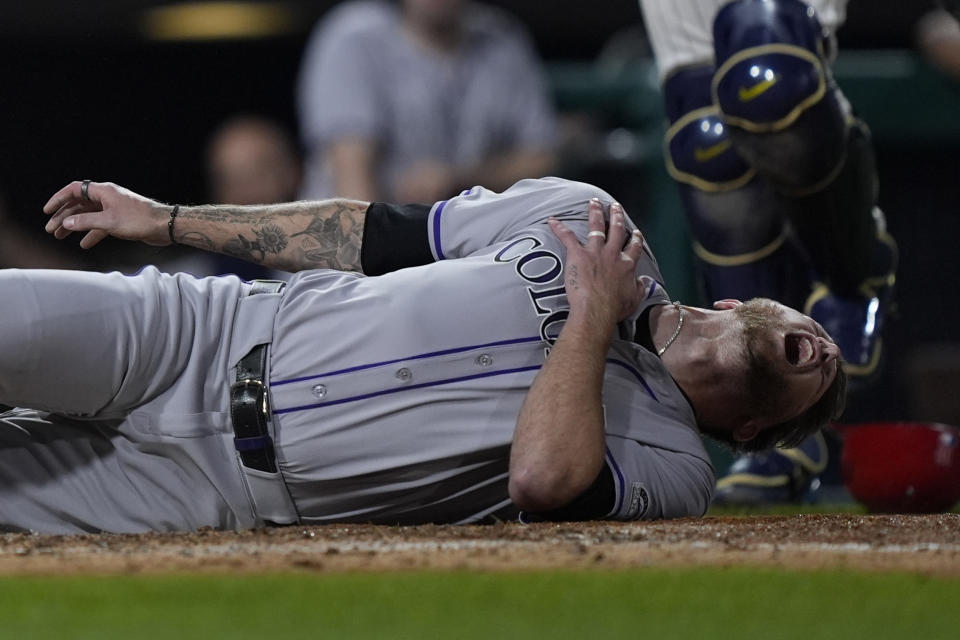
{"x": 926, "y": 544}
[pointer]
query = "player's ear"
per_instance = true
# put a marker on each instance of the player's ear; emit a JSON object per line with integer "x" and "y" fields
{"x": 726, "y": 304}
{"x": 746, "y": 431}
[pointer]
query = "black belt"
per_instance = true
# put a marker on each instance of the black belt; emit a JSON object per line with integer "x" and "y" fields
{"x": 249, "y": 407}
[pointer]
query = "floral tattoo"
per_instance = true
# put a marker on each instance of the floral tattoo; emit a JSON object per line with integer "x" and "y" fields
{"x": 271, "y": 238}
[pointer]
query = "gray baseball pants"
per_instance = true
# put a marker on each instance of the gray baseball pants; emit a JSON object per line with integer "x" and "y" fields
{"x": 125, "y": 381}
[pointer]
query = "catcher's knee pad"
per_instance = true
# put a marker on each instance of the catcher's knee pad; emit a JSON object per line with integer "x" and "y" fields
{"x": 775, "y": 93}
{"x": 699, "y": 151}
{"x": 742, "y": 243}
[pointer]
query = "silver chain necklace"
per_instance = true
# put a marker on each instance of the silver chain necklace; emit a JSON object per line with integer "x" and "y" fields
{"x": 676, "y": 332}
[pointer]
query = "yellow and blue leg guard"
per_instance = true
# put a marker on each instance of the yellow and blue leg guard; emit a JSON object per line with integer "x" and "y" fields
{"x": 778, "y": 476}
{"x": 775, "y": 92}
{"x": 789, "y": 121}
{"x": 744, "y": 247}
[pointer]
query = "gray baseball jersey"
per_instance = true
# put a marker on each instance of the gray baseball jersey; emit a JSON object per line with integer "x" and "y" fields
{"x": 681, "y": 31}
{"x": 394, "y": 397}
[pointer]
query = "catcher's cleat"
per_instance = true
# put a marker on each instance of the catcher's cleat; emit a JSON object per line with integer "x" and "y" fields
{"x": 776, "y": 476}
{"x": 856, "y": 322}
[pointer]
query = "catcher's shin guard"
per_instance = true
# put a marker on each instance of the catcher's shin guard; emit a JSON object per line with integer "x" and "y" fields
{"x": 777, "y": 476}
{"x": 789, "y": 120}
{"x": 856, "y": 257}
{"x": 856, "y": 319}
{"x": 744, "y": 247}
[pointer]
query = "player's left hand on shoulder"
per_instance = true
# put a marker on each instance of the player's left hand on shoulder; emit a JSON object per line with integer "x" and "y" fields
{"x": 600, "y": 275}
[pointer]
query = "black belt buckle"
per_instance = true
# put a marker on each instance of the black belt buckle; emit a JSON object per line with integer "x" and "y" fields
{"x": 249, "y": 412}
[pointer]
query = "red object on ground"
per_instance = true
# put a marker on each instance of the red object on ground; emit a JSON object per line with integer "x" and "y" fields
{"x": 902, "y": 467}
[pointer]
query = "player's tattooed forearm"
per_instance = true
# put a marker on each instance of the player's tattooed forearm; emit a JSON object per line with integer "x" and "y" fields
{"x": 319, "y": 257}
{"x": 246, "y": 214}
{"x": 319, "y": 228}
{"x": 355, "y": 209}
{"x": 245, "y": 249}
{"x": 271, "y": 238}
{"x": 197, "y": 240}
{"x": 345, "y": 258}
{"x": 207, "y": 214}
{"x": 337, "y": 235}
{"x": 338, "y": 221}
{"x": 349, "y": 256}
{"x": 292, "y": 236}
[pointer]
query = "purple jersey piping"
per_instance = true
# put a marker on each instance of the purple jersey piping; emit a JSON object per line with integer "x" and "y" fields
{"x": 419, "y": 356}
{"x": 653, "y": 287}
{"x": 436, "y": 230}
{"x": 422, "y": 385}
{"x": 620, "y": 481}
{"x": 636, "y": 374}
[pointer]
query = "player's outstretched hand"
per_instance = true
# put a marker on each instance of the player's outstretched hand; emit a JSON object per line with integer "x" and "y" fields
{"x": 600, "y": 276}
{"x": 104, "y": 209}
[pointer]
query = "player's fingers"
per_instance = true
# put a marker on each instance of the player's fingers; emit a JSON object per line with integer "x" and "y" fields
{"x": 87, "y": 221}
{"x": 84, "y": 192}
{"x": 56, "y": 220}
{"x": 60, "y": 233}
{"x": 596, "y": 236}
{"x": 618, "y": 228}
{"x": 634, "y": 247}
{"x": 93, "y": 238}
{"x": 564, "y": 233}
{"x": 61, "y": 197}
{"x": 73, "y": 192}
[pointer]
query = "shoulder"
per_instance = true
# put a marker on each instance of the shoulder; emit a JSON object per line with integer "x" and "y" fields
{"x": 492, "y": 21}
{"x": 493, "y": 25}
{"x": 361, "y": 19}
{"x": 532, "y": 201}
{"x": 557, "y": 190}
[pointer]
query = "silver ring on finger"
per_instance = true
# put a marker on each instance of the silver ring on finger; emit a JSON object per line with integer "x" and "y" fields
{"x": 597, "y": 234}
{"x": 85, "y": 190}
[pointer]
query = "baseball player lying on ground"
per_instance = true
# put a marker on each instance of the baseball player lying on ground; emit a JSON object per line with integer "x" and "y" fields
{"x": 419, "y": 392}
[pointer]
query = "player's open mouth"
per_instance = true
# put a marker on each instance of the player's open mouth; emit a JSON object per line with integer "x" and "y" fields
{"x": 800, "y": 349}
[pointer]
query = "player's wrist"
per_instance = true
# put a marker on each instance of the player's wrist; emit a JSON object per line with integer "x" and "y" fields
{"x": 590, "y": 328}
{"x": 171, "y": 224}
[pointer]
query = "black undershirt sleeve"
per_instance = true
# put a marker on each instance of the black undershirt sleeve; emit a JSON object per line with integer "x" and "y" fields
{"x": 394, "y": 237}
{"x": 594, "y": 503}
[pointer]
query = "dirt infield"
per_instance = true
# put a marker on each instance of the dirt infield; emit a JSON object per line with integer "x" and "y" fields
{"x": 923, "y": 544}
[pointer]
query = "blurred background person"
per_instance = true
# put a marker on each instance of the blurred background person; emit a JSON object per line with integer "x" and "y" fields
{"x": 938, "y": 39}
{"x": 249, "y": 160}
{"x": 252, "y": 160}
{"x": 415, "y": 100}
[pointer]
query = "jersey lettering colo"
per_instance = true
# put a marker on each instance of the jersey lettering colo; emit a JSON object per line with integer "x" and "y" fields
{"x": 395, "y": 397}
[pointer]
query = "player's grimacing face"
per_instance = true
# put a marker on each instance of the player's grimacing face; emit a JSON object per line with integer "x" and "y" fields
{"x": 796, "y": 358}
